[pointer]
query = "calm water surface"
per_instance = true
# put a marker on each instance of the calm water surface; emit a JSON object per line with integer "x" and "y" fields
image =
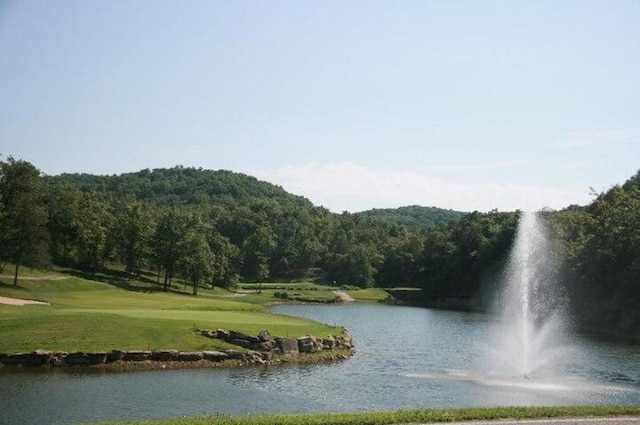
{"x": 406, "y": 358}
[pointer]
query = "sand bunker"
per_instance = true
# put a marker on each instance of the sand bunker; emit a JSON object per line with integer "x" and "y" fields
{"x": 18, "y": 301}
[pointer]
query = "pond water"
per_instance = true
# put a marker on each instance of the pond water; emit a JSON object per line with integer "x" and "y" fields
{"x": 406, "y": 358}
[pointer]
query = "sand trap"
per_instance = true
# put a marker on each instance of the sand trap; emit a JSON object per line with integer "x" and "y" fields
{"x": 18, "y": 301}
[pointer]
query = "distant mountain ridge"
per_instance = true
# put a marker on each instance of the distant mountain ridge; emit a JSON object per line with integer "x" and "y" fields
{"x": 182, "y": 186}
{"x": 414, "y": 216}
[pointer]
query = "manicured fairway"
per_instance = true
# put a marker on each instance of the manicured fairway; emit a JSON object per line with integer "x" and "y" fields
{"x": 89, "y": 315}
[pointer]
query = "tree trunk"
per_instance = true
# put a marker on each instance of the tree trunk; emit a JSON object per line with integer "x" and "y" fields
{"x": 195, "y": 286}
{"x": 15, "y": 274}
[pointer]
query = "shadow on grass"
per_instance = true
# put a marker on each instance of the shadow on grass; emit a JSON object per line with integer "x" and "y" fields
{"x": 5, "y": 285}
{"x": 120, "y": 279}
{"x": 117, "y": 278}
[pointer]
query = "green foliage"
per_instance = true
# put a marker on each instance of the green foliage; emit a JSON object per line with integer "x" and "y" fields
{"x": 23, "y": 218}
{"x": 414, "y": 217}
{"x": 602, "y": 249}
{"x": 219, "y": 228}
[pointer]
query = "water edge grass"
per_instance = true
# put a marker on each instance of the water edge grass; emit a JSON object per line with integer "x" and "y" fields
{"x": 416, "y": 416}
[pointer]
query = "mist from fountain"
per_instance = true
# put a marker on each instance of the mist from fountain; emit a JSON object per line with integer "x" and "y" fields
{"x": 531, "y": 326}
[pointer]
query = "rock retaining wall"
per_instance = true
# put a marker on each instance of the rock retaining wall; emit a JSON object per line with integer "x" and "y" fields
{"x": 259, "y": 350}
{"x": 264, "y": 342}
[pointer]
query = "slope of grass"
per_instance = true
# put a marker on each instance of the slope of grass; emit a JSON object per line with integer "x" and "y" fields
{"x": 89, "y": 315}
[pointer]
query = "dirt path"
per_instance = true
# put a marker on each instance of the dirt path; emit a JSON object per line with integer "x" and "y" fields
{"x": 344, "y": 297}
{"x": 18, "y": 301}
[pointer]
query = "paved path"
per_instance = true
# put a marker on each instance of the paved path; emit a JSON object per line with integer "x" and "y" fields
{"x": 616, "y": 420}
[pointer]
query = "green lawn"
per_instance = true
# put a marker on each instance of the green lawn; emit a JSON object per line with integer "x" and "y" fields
{"x": 369, "y": 294}
{"x": 90, "y": 315}
{"x": 404, "y": 417}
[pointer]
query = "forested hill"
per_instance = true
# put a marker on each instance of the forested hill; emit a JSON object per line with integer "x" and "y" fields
{"x": 414, "y": 217}
{"x": 220, "y": 228}
{"x": 181, "y": 186}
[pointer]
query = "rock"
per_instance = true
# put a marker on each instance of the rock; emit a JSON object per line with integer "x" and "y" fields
{"x": 115, "y": 355}
{"x": 233, "y": 354}
{"x": 97, "y": 357}
{"x": 215, "y": 356}
{"x": 306, "y": 344}
{"x": 267, "y": 345}
{"x": 329, "y": 343}
{"x": 137, "y": 355}
{"x": 209, "y": 334}
{"x": 288, "y": 346}
{"x": 253, "y": 357}
{"x": 38, "y": 357}
{"x": 264, "y": 336}
{"x": 236, "y": 335}
{"x": 77, "y": 359}
{"x": 222, "y": 334}
{"x": 58, "y": 359}
{"x": 164, "y": 355}
{"x": 15, "y": 359}
{"x": 190, "y": 356}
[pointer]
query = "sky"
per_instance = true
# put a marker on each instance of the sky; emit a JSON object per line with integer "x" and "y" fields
{"x": 468, "y": 105}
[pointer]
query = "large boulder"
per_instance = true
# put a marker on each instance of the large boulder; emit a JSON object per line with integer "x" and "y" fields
{"x": 328, "y": 343}
{"x": 215, "y": 356}
{"x": 288, "y": 346}
{"x": 77, "y": 359}
{"x": 236, "y": 335}
{"x": 264, "y": 336}
{"x": 190, "y": 356}
{"x": 164, "y": 355}
{"x": 115, "y": 355}
{"x": 97, "y": 357}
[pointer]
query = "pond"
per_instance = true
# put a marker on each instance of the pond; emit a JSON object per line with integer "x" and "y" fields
{"x": 406, "y": 358}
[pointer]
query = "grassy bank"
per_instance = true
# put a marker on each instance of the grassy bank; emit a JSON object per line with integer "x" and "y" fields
{"x": 404, "y": 417}
{"x": 91, "y": 315}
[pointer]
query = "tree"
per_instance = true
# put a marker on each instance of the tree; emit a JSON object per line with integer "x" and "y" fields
{"x": 133, "y": 231}
{"x": 196, "y": 259}
{"x": 23, "y": 232}
{"x": 171, "y": 227}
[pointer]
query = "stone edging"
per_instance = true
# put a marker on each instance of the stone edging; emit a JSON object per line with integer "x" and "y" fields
{"x": 282, "y": 345}
{"x": 261, "y": 351}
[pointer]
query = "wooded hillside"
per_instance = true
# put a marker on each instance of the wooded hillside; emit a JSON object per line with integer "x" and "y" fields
{"x": 219, "y": 228}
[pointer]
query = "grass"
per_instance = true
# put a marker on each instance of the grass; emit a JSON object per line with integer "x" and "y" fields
{"x": 88, "y": 315}
{"x": 369, "y": 294}
{"x": 404, "y": 416}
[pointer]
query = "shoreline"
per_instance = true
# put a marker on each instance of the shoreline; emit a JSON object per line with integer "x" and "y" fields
{"x": 246, "y": 359}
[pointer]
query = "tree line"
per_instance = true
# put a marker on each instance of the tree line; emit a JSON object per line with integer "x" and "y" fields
{"x": 220, "y": 228}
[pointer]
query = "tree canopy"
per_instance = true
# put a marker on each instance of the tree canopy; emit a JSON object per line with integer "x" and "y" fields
{"x": 220, "y": 227}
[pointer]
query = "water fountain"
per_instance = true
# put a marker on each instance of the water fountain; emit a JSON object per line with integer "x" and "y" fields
{"x": 531, "y": 308}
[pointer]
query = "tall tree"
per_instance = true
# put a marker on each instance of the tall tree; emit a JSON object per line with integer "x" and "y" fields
{"x": 169, "y": 231}
{"x": 196, "y": 259}
{"x": 23, "y": 232}
{"x": 133, "y": 230}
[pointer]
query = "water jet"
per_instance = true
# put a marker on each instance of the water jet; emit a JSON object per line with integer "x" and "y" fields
{"x": 531, "y": 307}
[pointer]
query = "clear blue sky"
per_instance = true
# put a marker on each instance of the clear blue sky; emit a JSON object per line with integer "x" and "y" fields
{"x": 353, "y": 104}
